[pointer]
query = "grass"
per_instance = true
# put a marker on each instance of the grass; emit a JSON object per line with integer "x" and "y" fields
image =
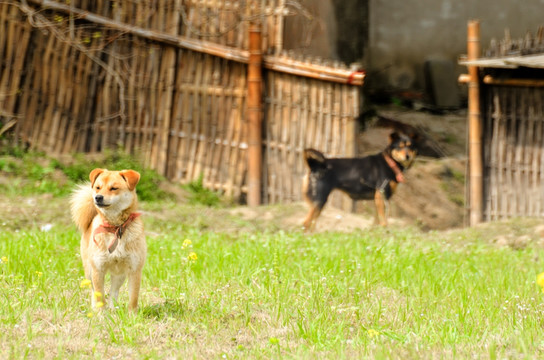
{"x": 198, "y": 194}
{"x": 220, "y": 285}
{"x": 35, "y": 173}
{"x": 393, "y": 293}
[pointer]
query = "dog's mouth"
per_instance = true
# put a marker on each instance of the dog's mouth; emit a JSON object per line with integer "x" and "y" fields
{"x": 404, "y": 158}
{"x": 101, "y": 205}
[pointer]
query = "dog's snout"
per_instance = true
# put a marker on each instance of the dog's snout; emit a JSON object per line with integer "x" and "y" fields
{"x": 99, "y": 199}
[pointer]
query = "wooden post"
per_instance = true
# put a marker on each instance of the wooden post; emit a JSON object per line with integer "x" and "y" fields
{"x": 254, "y": 114}
{"x": 475, "y": 126}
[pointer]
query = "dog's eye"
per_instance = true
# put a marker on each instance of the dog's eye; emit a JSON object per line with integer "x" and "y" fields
{"x": 113, "y": 188}
{"x": 97, "y": 187}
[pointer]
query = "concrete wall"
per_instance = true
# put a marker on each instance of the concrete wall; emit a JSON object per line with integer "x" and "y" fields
{"x": 312, "y": 31}
{"x": 404, "y": 34}
{"x": 335, "y": 29}
{"x": 394, "y": 38}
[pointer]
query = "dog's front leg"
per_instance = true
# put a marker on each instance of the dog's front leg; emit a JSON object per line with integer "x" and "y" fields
{"x": 97, "y": 298}
{"x": 309, "y": 222}
{"x": 311, "y": 218}
{"x": 380, "y": 208}
{"x": 134, "y": 280}
{"x": 116, "y": 283}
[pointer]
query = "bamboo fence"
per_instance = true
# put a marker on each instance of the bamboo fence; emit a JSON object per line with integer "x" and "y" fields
{"x": 511, "y": 102}
{"x": 167, "y": 80}
{"x": 305, "y": 113}
{"x": 513, "y": 152}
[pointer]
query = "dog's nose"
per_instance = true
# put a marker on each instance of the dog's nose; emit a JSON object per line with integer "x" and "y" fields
{"x": 99, "y": 199}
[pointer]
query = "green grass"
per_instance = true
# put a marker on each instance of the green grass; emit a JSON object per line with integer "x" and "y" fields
{"x": 148, "y": 188}
{"x": 34, "y": 173}
{"x": 394, "y": 293}
{"x": 259, "y": 288}
{"x": 198, "y": 194}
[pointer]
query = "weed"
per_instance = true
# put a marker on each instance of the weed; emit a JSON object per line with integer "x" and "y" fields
{"x": 458, "y": 176}
{"x": 450, "y": 139}
{"x": 38, "y": 174}
{"x": 198, "y": 194}
{"x": 148, "y": 188}
{"x": 15, "y": 151}
{"x": 31, "y": 173}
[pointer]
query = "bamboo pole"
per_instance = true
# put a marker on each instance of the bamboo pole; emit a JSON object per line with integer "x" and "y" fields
{"x": 315, "y": 71}
{"x": 490, "y": 80}
{"x": 475, "y": 126}
{"x": 254, "y": 95}
{"x": 278, "y": 41}
{"x": 539, "y": 158}
{"x": 169, "y": 63}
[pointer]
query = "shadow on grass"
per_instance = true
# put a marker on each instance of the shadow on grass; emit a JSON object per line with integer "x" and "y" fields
{"x": 169, "y": 308}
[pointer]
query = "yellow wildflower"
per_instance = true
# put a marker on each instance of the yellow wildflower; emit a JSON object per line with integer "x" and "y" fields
{"x": 186, "y": 243}
{"x": 540, "y": 279}
{"x": 39, "y": 273}
{"x": 99, "y": 304}
{"x": 192, "y": 256}
{"x": 97, "y": 294}
{"x": 372, "y": 333}
{"x": 4, "y": 259}
{"x": 85, "y": 284}
{"x": 89, "y": 314}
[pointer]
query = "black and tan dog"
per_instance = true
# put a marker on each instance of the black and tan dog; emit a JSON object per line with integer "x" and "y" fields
{"x": 365, "y": 178}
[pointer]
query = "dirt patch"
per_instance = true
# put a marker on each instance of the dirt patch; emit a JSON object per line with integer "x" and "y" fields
{"x": 446, "y": 132}
{"x": 332, "y": 219}
{"x": 433, "y": 195}
{"x": 41, "y": 211}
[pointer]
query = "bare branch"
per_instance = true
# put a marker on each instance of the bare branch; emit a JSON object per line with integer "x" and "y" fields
{"x": 37, "y": 20}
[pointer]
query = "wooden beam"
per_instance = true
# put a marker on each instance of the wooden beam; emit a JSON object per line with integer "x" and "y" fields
{"x": 272, "y": 62}
{"x": 315, "y": 71}
{"x": 490, "y": 80}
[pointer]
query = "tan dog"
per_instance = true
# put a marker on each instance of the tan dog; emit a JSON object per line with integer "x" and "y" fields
{"x": 113, "y": 237}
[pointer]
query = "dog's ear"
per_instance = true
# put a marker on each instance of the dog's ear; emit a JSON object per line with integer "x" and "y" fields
{"x": 394, "y": 136}
{"x": 131, "y": 177}
{"x": 94, "y": 174}
{"x": 416, "y": 138}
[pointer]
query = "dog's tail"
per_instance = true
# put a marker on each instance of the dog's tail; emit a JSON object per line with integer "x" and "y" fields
{"x": 315, "y": 159}
{"x": 82, "y": 206}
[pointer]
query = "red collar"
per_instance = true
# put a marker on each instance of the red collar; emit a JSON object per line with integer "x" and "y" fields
{"x": 105, "y": 227}
{"x": 393, "y": 165}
